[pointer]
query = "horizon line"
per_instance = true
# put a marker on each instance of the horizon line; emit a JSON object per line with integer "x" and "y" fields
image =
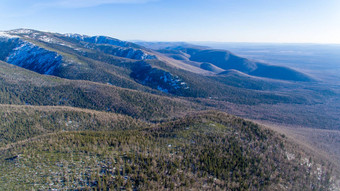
{"x": 184, "y": 41}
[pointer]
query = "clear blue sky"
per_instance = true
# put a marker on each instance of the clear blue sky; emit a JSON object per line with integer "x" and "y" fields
{"x": 307, "y": 21}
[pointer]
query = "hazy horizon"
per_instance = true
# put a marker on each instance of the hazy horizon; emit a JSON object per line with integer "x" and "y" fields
{"x": 257, "y": 21}
{"x": 189, "y": 42}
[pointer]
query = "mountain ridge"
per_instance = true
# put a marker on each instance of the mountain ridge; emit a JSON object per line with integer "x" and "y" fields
{"x": 222, "y": 59}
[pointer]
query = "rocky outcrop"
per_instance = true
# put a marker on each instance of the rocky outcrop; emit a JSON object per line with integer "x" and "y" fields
{"x": 158, "y": 79}
{"x": 124, "y": 52}
{"x": 27, "y": 55}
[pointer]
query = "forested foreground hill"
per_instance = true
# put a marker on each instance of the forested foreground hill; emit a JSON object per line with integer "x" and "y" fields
{"x": 85, "y": 149}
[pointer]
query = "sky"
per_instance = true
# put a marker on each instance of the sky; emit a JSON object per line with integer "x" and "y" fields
{"x": 282, "y": 21}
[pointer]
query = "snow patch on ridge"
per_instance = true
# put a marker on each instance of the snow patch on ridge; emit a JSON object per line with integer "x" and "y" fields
{"x": 32, "y": 57}
{"x": 48, "y": 39}
{"x": 76, "y": 36}
{"x": 6, "y": 35}
{"x": 21, "y": 31}
{"x": 290, "y": 156}
{"x": 112, "y": 46}
{"x": 52, "y": 40}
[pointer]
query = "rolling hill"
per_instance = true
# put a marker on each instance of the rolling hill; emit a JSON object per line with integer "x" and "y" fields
{"x": 225, "y": 60}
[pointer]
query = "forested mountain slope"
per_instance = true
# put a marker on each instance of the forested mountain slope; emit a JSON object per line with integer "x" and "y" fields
{"x": 80, "y": 113}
